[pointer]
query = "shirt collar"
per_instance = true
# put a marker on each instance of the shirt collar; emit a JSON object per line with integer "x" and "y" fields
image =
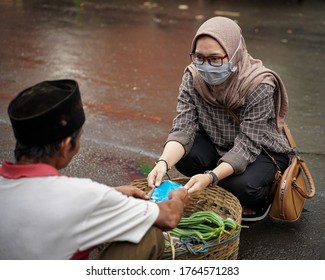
{"x": 10, "y": 170}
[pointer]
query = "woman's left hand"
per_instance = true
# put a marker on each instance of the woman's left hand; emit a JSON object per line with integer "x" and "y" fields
{"x": 197, "y": 183}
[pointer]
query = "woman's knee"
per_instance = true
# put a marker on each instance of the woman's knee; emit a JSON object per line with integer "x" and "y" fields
{"x": 189, "y": 165}
{"x": 248, "y": 192}
{"x": 201, "y": 157}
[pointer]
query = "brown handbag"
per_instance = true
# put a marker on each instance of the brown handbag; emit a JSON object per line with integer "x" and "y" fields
{"x": 289, "y": 190}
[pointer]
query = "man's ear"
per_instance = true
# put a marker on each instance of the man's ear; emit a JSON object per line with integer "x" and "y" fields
{"x": 65, "y": 146}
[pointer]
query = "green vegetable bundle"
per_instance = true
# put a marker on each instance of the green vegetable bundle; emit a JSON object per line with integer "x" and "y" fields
{"x": 204, "y": 225}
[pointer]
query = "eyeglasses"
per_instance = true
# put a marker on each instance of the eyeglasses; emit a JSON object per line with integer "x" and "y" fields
{"x": 213, "y": 60}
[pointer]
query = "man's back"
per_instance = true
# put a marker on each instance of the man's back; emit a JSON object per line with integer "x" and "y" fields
{"x": 48, "y": 216}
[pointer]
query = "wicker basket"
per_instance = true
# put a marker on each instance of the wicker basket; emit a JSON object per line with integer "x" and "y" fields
{"x": 221, "y": 202}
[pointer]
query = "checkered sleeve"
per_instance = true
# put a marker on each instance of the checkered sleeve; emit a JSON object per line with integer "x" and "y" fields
{"x": 185, "y": 124}
{"x": 257, "y": 129}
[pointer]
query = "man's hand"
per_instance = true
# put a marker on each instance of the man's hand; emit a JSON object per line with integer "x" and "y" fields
{"x": 132, "y": 191}
{"x": 171, "y": 210}
{"x": 181, "y": 194}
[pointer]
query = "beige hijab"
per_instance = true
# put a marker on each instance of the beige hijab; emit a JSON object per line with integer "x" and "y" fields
{"x": 249, "y": 74}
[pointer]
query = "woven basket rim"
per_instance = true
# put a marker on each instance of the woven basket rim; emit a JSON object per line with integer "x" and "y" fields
{"x": 216, "y": 199}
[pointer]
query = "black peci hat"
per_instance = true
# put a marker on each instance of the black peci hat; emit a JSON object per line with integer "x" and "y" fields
{"x": 46, "y": 112}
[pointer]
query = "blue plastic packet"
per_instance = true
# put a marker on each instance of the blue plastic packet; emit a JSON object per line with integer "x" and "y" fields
{"x": 161, "y": 192}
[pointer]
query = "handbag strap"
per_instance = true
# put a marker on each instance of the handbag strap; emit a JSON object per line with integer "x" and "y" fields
{"x": 237, "y": 120}
{"x": 310, "y": 180}
{"x": 289, "y": 136}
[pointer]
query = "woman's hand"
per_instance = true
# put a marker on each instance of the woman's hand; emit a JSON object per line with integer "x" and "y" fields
{"x": 157, "y": 173}
{"x": 172, "y": 153}
{"x": 197, "y": 183}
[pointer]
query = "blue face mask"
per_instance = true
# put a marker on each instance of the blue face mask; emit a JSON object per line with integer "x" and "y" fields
{"x": 215, "y": 75}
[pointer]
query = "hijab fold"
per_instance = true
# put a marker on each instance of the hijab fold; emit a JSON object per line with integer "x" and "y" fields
{"x": 250, "y": 72}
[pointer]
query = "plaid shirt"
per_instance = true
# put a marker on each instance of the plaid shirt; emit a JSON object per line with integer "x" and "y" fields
{"x": 239, "y": 145}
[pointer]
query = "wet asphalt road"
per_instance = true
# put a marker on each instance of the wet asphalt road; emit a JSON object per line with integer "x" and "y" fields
{"x": 128, "y": 57}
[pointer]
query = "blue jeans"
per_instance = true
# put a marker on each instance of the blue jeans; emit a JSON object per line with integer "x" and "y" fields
{"x": 251, "y": 187}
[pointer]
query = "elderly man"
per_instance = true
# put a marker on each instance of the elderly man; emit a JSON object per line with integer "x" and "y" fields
{"x": 46, "y": 215}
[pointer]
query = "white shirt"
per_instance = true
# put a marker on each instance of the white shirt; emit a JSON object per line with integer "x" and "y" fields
{"x": 48, "y": 216}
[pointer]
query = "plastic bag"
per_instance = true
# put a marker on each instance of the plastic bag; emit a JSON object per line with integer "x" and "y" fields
{"x": 161, "y": 192}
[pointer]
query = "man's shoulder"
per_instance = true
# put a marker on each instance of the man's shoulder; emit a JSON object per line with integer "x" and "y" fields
{"x": 82, "y": 183}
